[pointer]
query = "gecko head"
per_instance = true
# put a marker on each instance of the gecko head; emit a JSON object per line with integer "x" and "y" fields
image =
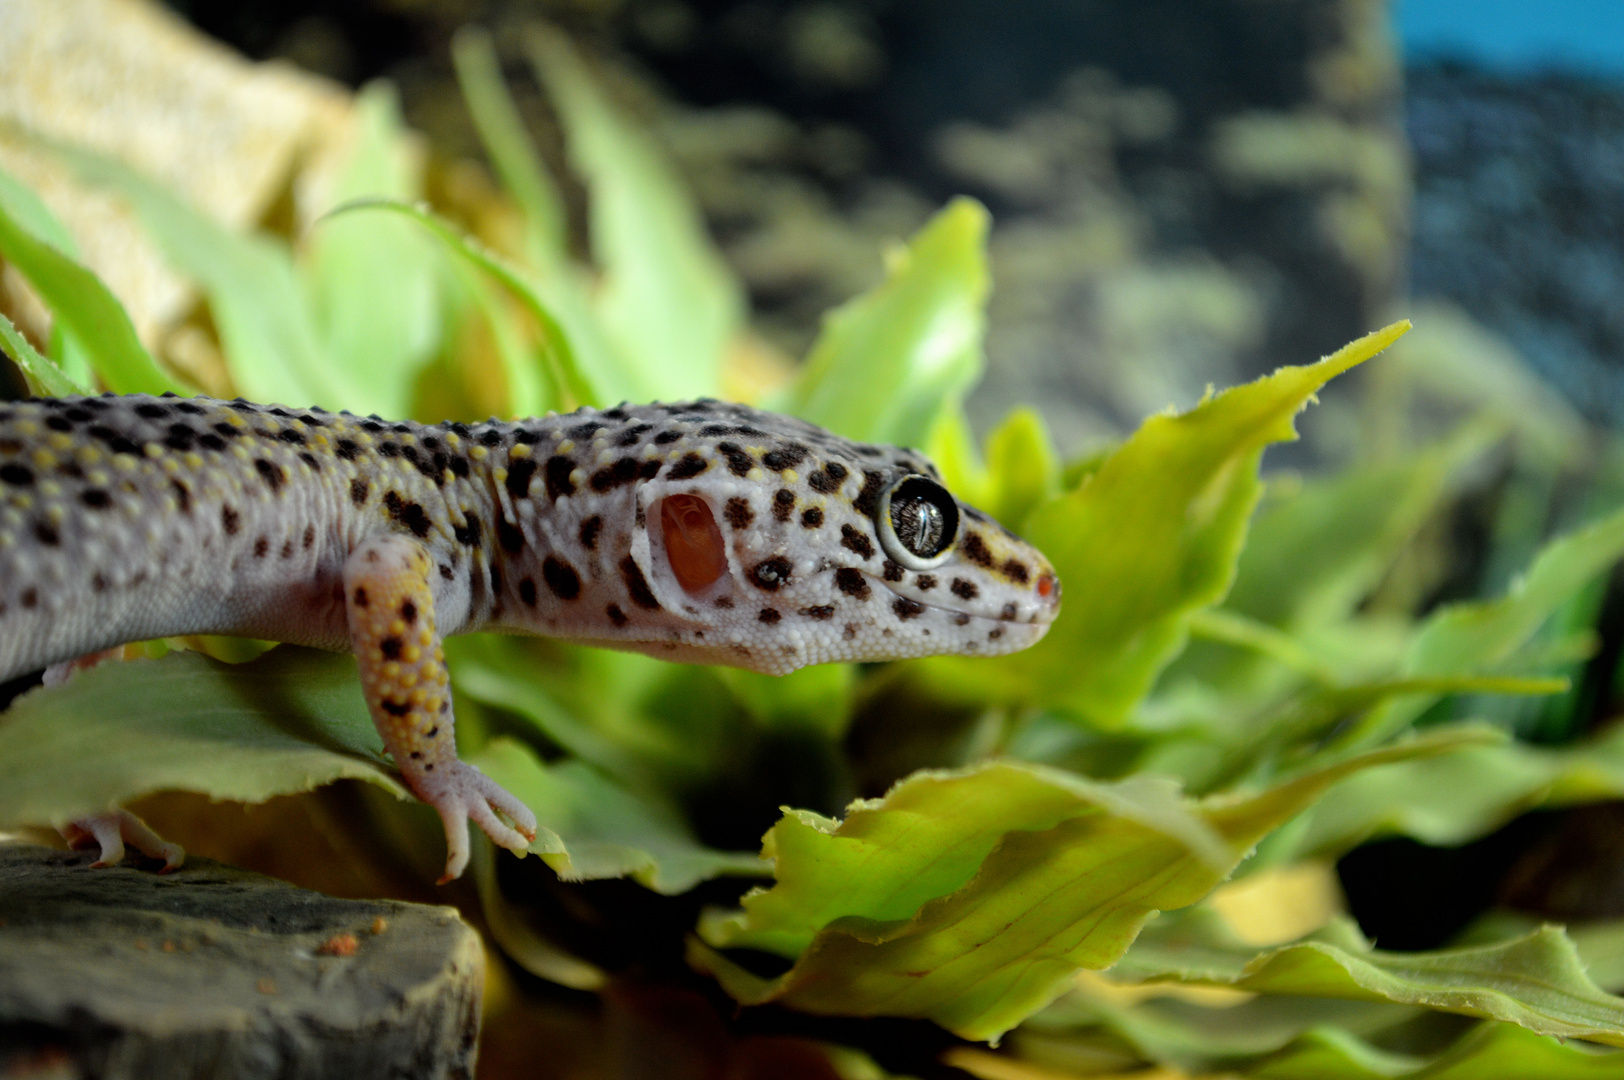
{"x": 791, "y": 546}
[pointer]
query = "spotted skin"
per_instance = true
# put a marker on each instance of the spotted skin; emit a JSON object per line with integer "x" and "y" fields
{"x": 127, "y": 518}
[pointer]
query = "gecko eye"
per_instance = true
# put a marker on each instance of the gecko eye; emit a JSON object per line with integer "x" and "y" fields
{"x": 918, "y": 521}
{"x": 693, "y": 544}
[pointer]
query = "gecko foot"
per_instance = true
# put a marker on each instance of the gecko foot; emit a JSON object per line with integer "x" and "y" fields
{"x": 460, "y": 792}
{"x": 109, "y": 833}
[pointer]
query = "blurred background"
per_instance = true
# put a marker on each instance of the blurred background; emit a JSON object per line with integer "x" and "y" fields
{"x": 1183, "y": 193}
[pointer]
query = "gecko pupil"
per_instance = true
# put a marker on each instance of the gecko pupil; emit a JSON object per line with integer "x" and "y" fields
{"x": 924, "y": 517}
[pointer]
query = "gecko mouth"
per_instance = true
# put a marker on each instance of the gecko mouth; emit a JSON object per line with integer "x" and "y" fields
{"x": 1039, "y": 616}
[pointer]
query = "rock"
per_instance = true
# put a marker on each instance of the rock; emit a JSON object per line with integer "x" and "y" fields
{"x": 217, "y": 972}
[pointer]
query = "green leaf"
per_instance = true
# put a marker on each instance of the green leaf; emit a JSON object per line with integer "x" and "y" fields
{"x": 592, "y": 828}
{"x": 570, "y": 383}
{"x": 1473, "y": 637}
{"x": 1536, "y": 981}
{"x": 890, "y": 362}
{"x": 1458, "y": 797}
{"x": 258, "y": 302}
{"x": 1153, "y": 537}
{"x": 85, "y": 310}
{"x": 374, "y": 280}
{"x": 990, "y": 949}
{"x": 1023, "y": 466}
{"x": 41, "y": 373}
{"x": 508, "y": 145}
{"x": 1487, "y": 1052}
{"x": 30, "y": 212}
{"x": 285, "y": 723}
{"x": 667, "y": 300}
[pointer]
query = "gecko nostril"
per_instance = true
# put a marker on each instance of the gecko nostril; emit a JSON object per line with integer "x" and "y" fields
{"x": 1048, "y": 587}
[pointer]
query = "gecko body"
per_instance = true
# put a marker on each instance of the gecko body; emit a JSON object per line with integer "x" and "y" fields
{"x": 700, "y": 531}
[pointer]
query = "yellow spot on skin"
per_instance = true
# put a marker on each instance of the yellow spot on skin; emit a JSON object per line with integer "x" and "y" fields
{"x": 519, "y": 451}
{"x": 790, "y": 476}
{"x": 453, "y": 440}
{"x": 99, "y": 478}
{"x": 44, "y": 458}
{"x": 27, "y": 427}
{"x": 90, "y": 455}
{"x": 239, "y": 451}
{"x": 755, "y": 475}
{"x": 50, "y": 489}
{"x": 152, "y": 449}
{"x": 61, "y": 441}
{"x": 125, "y": 462}
{"x": 577, "y": 477}
{"x": 566, "y": 446}
{"x": 22, "y": 502}
{"x": 479, "y": 453}
{"x": 499, "y": 474}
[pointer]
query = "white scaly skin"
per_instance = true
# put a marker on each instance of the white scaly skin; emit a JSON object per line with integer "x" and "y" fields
{"x": 128, "y": 518}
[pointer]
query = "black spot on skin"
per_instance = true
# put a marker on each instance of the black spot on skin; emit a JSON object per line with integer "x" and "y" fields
{"x": 400, "y": 429}
{"x": 785, "y": 457}
{"x": 459, "y": 467}
{"x": 783, "y": 504}
{"x": 650, "y": 469}
{"x": 823, "y": 482}
{"x": 389, "y": 449}
{"x": 397, "y": 708}
{"x": 391, "y": 647}
{"x": 961, "y": 619}
{"x": 409, "y": 514}
{"x": 230, "y": 520}
{"x": 557, "y": 473}
{"x": 527, "y": 592}
{"x": 724, "y": 601}
{"x": 17, "y": 475}
{"x": 586, "y": 430}
{"x": 690, "y": 465}
{"x": 310, "y": 459}
{"x": 666, "y": 438}
{"x": 856, "y": 542}
{"x": 562, "y": 579}
{"x": 852, "y": 582}
{"x": 621, "y": 472}
{"x": 907, "y": 609}
{"x": 869, "y": 498}
{"x": 211, "y": 442}
{"x": 926, "y": 582}
{"x": 490, "y": 437}
{"x": 975, "y": 549}
{"x": 964, "y": 589}
{"x": 768, "y": 615}
{"x": 892, "y": 571}
{"x": 262, "y": 547}
{"x": 71, "y": 468}
{"x": 738, "y": 513}
{"x": 98, "y": 583}
{"x": 30, "y": 598}
{"x": 280, "y": 412}
{"x": 616, "y": 413}
{"x": 528, "y": 438}
{"x": 288, "y": 435}
{"x": 358, "y": 491}
{"x": 616, "y": 616}
{"x": 632, "y": 435}
{"x": 58, "y": 423}
{"x": 849, "y": 631}
{"x": 509, "y": 536}
{"x": 739, "y": 463}
{"x": 995, "y": 633}
{"x": 521, "y": 472}
{"x": 46, "y": 534}
{"x": 811, "y": 518}
{"x": 771, "y": 574}
{"x": 589, "y": 532}
{"x": 1017, "y": 572}
{"x": 468, "y": 535}
{"x": 820, "y": 613}
{"x": 80, "y": 416}
{"x": 183, "y": 495}
{"x": 1010, "y": 612}
{"x": 408, "y": 611}
{"x": 496, "y": 584}
{"x": 241, "y": 406}
{"x": 152, "y": 411}
{"x": 271, "y": 473}
{"x": 226, "y": 431}
{"x": 447, "y": 573}
{"x": 637, "y": 584}
{"x": 309, "y": 538}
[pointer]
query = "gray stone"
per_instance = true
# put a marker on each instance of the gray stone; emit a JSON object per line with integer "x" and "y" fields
{"x": 217, "y": 972}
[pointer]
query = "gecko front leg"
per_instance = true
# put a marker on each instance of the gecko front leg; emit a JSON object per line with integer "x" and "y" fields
{"x": 390, "y": 608}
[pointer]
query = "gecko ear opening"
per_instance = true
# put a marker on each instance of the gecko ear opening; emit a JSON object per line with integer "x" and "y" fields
{"x": 693, "y": 543}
